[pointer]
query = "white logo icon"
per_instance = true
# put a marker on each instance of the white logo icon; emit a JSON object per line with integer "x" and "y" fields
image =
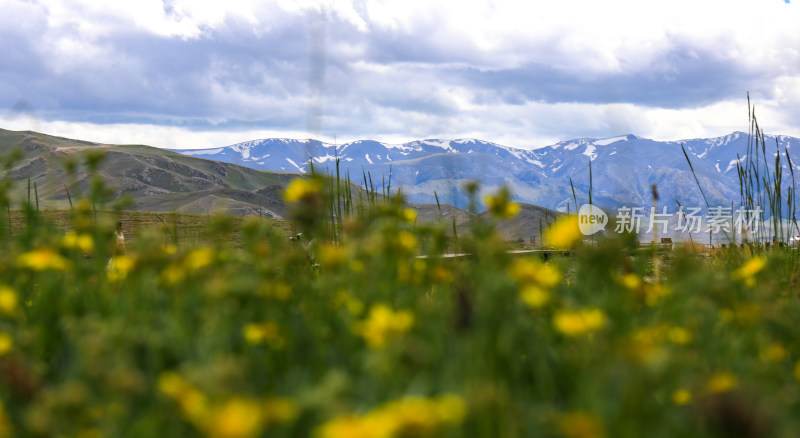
{"x": 591, "y": 219}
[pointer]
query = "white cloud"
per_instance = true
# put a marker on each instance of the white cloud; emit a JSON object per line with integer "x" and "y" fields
{"x": 520, "y": 73}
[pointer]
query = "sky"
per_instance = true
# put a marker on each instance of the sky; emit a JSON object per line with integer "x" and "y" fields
{"x": 197, "y": 74}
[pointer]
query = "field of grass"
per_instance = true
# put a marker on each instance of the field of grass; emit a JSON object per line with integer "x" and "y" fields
{"x": 263, "y": 336}
{"x": 178, "y": 229}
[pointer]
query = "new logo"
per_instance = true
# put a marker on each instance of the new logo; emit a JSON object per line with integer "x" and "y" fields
{"x": 591, "y": 219}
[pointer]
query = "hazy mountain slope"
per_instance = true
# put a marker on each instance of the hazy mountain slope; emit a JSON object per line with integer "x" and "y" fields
{"x": 156, "y": 179}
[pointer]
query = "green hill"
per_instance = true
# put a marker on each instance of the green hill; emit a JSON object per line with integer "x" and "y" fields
{"x": 156, "y": 180}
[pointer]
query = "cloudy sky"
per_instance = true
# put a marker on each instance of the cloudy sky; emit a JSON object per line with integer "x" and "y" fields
{"x": 189, "y": 74}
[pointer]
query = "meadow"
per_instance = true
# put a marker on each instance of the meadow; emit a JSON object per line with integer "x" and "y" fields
{"x": 363, "y": 329}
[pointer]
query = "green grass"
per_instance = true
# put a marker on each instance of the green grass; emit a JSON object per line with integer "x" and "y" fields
{"x": 307, "y": 338}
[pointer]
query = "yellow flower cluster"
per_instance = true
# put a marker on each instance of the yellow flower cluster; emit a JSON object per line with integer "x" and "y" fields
{"x": 536, "y": 280}
{"x": 411, "y": 416}
{"x": 263, "y": 333}
{"x": 574, "y": 323}
{"x": 332, "y": 256}
{"x": 197, "y": 259}
{"x": 301, "y": 188}
{"x": 81, "y": 242}
{"x": 409, "y": 215}
{"x": 383, "y": 325}
{"x": 500, "y": 204}
{"x": 8, "y": 301}
{"x": 774, "y": 352}
{"x": 681, "y": 397}
{"x": 237, "y": 417}
{"x": 564, "y": 233}
{"x": 647, "y": 345}
{"x": 721, "y": 382}
{"x": 407, "y": 241}
{"x": 749, "y": 270}
{"x": 43, "y": 259}
{"x": 6, "y": 343}
{"x": 119, "y": 267}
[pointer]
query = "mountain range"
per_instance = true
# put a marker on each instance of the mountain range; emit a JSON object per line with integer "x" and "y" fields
{"x": 623, "y": 168}
{"x": 151, "y": 179}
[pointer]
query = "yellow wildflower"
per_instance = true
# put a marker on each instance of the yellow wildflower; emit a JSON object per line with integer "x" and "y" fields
{"x": 8, "y": 301}
{"x": 646, "y": 346}
{"x": 500, "y": 204}
{"x": 193, "y": 403}
{"x": 532, "y": 270}
{"x": 236, "y": 418}
{"x": 300, "y": 188}
{"x": 82, "y": 242}
{"x": 266, "y": 332}
{"x": 6, "y": 343}
{"x": 409, "y": 214}
{"x": 172, "y": 274}
{"x": 199, "y": 258}
{"x": 534, "y": 296}
{"x": 576, "y": 323}
{"x": 748, "y": 271}
{"x": 679, "y": 335}
{"x": 417, "y": 415}
{"x": 564, "y": 233}
{"x": 655, "y": 293}
{"x": 355, "y": 427}
{"x": 407, "y": 240}
{"x": 681, "y": 397}
{"x": 331, "y": 256}
{"x": 411, "y": 416}
{"x": 774, "y": 352}
{"x": 42, "y": 260}
{"x": 630, "y": 281}
{"x": 383, "y": 325}
{"x": 119, "y": 267}
{"x": 580, "y": 425}
{"x": 721, "y": 382}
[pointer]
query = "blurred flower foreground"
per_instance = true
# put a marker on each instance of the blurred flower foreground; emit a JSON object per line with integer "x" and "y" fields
{"x": 366, "y": 325}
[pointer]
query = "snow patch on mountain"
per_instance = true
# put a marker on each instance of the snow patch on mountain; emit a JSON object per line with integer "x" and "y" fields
{"x": 608, "y": 141}
{"x": 299, "y": 169}
{"x": 590, "y": 152}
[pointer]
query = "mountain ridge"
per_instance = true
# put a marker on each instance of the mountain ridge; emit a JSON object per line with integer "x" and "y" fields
{"x": 624, "y": 167}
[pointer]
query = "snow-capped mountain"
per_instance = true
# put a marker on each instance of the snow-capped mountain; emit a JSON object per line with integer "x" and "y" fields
{"x": 623, "y": 168}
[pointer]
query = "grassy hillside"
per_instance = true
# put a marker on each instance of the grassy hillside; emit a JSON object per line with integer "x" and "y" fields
{"x": 152, "y": 179}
